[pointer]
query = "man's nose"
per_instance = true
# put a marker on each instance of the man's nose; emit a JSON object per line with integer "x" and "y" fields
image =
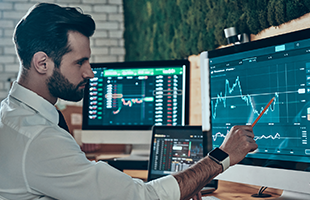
{"x": 87, "y": 71}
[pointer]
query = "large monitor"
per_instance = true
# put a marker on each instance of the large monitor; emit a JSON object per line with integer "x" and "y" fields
{"x": 125, "y": 99}
{"x": 237, "y": 83}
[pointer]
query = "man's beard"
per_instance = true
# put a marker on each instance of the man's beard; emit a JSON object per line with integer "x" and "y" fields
{"x": 60, "y": 87}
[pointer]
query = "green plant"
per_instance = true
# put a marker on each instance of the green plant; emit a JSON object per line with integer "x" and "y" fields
{"x": 174, "y": 29}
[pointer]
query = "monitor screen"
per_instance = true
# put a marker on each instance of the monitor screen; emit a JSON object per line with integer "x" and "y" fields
{"x": 136, "y": 95}
{"x": 174, "y": 149}
{"x": 125, "y": 99}
{"x": 243, "y": 79}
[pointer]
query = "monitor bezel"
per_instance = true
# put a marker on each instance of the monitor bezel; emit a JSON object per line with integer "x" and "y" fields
{"x": 136, "y": 64}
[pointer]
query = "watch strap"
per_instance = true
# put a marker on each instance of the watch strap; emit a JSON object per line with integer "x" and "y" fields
{"x": 226, "y": 163}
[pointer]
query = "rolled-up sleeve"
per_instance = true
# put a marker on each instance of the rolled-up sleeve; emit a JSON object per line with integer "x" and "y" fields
{"x": 166, "y": 187}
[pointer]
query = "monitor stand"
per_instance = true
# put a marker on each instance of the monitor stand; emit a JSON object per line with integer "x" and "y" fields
{"x": 138, "y": 152}
{"x": 137, "y": 160}
{"x": 289, "y": 195}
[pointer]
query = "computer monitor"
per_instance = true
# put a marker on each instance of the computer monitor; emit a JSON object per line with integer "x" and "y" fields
{"x": 125, "y": 99}
{"x": 237, "y": 83}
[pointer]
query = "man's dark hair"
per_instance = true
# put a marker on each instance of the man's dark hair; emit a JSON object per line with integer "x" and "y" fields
{"x": 45, "y": 28}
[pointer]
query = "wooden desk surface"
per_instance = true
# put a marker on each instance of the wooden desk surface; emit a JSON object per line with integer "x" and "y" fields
{"x": 226, "y": 190}
{"x": 232, "y": 191}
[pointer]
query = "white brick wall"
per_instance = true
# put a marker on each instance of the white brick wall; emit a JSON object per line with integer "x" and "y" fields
{"x": 107, "y": 43}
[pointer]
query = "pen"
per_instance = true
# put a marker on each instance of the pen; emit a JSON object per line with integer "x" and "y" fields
{"x": 261, "y": 114}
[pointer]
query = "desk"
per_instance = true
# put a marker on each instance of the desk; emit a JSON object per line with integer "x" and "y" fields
{"x": 226, "y": 190}
{"x": 232, "y": 191}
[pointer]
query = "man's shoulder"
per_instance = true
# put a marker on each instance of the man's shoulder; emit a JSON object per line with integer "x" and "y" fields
{"x": 22, "y": 119}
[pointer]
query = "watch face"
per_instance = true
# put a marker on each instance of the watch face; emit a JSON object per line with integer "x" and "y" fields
{"x": 218, "y": 154}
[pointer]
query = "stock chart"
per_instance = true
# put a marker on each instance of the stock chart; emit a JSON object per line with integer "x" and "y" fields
{"x": 143, "y": 96}
{"x": 240, "y": 89}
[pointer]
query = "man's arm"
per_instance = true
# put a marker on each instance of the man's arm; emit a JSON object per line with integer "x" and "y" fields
{"x": 196, "y": 177}
{"x": 238, "y": 142}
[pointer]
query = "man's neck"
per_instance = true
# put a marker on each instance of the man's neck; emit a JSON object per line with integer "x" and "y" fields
{"x": 37, "y": 87}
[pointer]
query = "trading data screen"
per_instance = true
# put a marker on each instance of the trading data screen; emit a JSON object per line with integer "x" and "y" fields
{"x": 135, "y": 96}
{"x": 172, "y": 153}
{"x": 242, "y": 84}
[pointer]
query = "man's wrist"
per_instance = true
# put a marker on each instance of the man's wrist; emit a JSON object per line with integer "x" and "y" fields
{"x": 220, "y": 157}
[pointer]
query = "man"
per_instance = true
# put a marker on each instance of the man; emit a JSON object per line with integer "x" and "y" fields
{"x": 38, "y": 159}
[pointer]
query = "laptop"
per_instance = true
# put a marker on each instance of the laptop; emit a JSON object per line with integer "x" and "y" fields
{"x": 176, "y": 148}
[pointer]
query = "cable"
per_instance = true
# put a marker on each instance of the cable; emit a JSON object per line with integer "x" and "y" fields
{"x": 260, "y": 193}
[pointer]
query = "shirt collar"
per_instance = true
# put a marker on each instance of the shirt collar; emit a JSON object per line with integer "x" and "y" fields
{"x": 36, "y": 102}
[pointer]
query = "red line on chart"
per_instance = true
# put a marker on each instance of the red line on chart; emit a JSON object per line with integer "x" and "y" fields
{"x": 127, "y": 103}
{"x": 131, "y": 101}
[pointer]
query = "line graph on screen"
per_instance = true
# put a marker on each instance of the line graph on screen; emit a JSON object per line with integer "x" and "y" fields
{"x": 234, "y": 106}
{"x": 127, "y": 102}
{"x": 133, "y": 97}
{"x": 220, "y": 135}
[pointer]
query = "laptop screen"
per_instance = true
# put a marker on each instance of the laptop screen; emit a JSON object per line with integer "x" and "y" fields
{"x": 173, "y": 149}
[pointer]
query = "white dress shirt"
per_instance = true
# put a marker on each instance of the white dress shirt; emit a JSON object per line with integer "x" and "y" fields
{"x": 39, "y": 160}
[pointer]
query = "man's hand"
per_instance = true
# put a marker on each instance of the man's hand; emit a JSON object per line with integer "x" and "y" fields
{"x": 238, "y": 142}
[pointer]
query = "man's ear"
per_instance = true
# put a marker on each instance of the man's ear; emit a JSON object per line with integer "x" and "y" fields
{"x": 40, "y": 62}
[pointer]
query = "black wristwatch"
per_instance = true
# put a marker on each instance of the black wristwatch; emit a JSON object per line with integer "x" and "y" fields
{"x": 220, "y": 157}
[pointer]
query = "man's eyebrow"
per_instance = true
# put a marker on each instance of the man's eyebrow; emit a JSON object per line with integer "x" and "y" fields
{"x": 82, "y": 60}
